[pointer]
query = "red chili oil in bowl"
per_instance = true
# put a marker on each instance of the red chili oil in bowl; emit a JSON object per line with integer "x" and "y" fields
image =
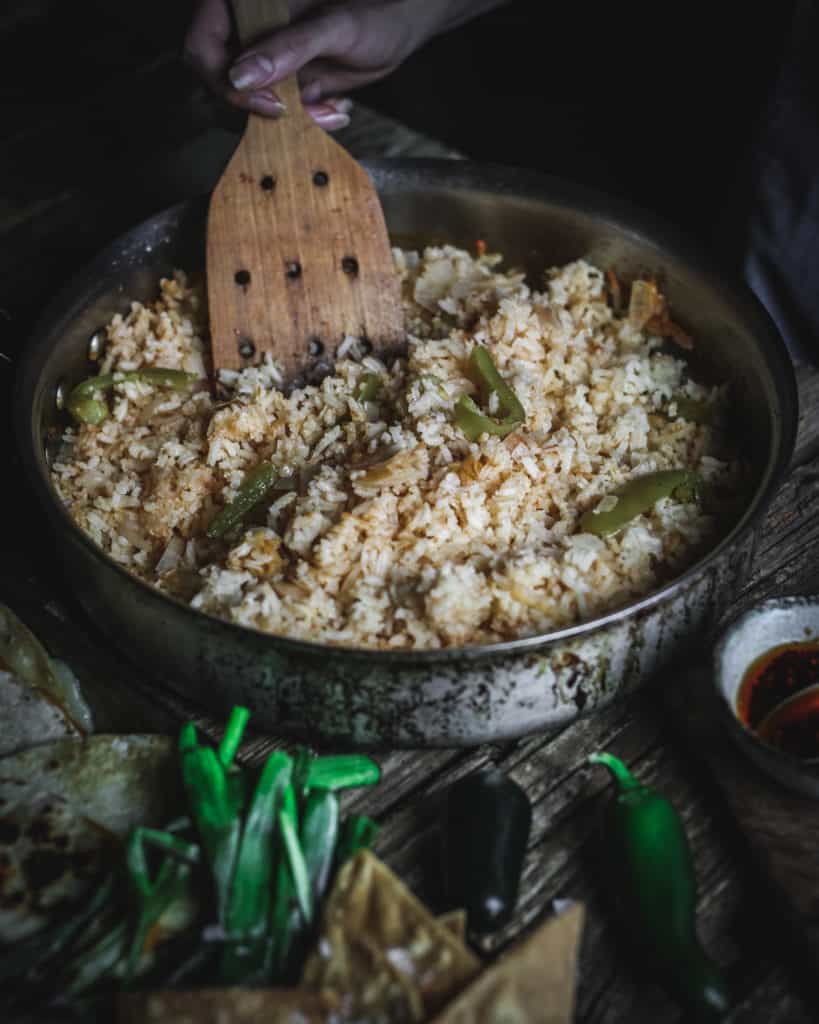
{"x": 778, "y": 698}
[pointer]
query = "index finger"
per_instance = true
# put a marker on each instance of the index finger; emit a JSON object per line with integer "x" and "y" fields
{"x": 206, "y": 42}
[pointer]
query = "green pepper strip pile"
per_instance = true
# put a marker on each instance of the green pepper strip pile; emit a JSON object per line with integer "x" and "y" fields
{"x": 467, "y": 414}
{"x": 84, "y": 406}
{"x": 652, "y": 883}
{"x": 638, "y": 496}
{"x": 262, "y": 844}
{"x": 256, "y": 485}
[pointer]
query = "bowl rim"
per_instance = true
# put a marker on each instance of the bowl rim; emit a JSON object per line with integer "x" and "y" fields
{"x": 627, "y": 218}
{"x": 782, "y": 765}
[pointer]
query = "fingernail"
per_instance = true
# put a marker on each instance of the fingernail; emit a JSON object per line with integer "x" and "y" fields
{"x": 250, "y": 72}
{"x": 264, "y": 103}
{"x": 342, "y": 105}
{"x": 332, "y": 121}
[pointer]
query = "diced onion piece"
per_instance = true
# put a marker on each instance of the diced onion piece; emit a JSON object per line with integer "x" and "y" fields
{"x": 645, "y": 303}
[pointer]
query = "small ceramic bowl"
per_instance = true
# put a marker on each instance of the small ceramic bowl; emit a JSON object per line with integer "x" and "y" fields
{"x": 766, "y": 625}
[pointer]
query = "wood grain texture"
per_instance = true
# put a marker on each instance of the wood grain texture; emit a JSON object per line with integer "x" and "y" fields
{"x": 257, "y": 18}
{"x": 781, "y": 827}
{"x": 298, "y": 255}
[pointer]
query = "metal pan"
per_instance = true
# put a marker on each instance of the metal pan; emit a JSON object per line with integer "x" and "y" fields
{"x": 456, "y": 696}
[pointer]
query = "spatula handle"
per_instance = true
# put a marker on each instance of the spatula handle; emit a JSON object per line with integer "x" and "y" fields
{"x": 258, "y": 18}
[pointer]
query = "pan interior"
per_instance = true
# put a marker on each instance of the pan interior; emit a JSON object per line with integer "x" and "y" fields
{"x": 535, "y": 222}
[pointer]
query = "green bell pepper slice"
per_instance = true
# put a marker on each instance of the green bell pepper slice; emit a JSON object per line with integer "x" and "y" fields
{"x": 637, "y": 496}
{"x": 469, "y": 417}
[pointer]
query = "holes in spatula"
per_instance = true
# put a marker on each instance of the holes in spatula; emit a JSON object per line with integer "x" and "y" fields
{"x": 318, "y": 371}
{"x": 96, "y": 345}
{"x": 321, "y": 178}
{"x": 247, "y": 349}
{"x": 268, "y": 182}
{"x": 292, "y": 269}
{"x": 349, "y": 265}
{"x": 242, "y": 278}
{"x": 315, "y": 347}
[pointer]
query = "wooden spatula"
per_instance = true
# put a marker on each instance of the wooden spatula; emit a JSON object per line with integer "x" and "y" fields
{"x": 297, "y": 250}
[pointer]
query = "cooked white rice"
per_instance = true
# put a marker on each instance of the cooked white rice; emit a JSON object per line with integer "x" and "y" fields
{"x": 387, "y": 527}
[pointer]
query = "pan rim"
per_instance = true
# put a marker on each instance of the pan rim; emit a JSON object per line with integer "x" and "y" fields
{"x": 626, "y": 217}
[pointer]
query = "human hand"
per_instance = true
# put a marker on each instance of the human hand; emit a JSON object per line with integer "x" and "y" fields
{"x": 331, "y": 47}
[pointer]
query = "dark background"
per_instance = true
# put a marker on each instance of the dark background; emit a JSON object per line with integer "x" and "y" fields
{"x": 656, "y": 102}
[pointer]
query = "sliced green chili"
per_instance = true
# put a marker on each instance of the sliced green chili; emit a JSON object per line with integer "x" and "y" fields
{"x": 188, "y": 739}
{"x": 369, "y": 387}
{"x": 303, "y": 759}
{"x": 84, "y": 406}
{"x": 256, "y": 484}
{"x": 343, "y": 771}
{"x": 216, "y": 812}
{"x": 295, "y": 857}
{"x": 234, "y": 730}
{"x": 652, "y": 884}
{"x": 635, "y": 497}
{"x": 172, "y": 882}
{"x": 88, "y": 410}
{"x": 488, "y": 379}
{"x": 286, "y": 922}
{"x": 247, "y": 910}
{"x": 249, "y": 907}
{"x": 319, "y": 834}
{"x": 469, "y": 417}
{"x": 358, "y": 832}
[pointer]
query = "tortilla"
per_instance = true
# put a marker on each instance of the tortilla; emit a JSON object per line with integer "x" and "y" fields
{"x": 40, "y": 698}
{"x": 382, "y": 951}
{"x": 455, "y": 921}
{"x": 28, "y": 717}
{"x": 64, "y": 806}
{"x": 534, "y": 983}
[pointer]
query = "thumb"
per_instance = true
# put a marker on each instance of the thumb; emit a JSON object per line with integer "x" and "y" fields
{"x": 329, "y": 33}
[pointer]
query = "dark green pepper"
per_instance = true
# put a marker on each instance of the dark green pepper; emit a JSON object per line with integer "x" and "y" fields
{"x": 486, "y": 828}
{"x": 651, "y": 880}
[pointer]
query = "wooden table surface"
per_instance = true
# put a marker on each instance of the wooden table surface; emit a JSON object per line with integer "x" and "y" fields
{"x": 79, "y": 166}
